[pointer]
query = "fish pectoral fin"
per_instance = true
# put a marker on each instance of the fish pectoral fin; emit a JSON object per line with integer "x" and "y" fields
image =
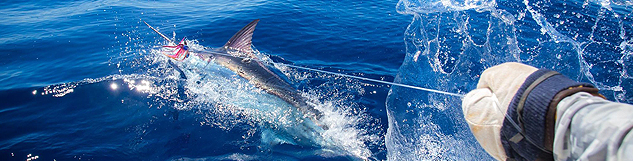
{"x": 180, "y": 71}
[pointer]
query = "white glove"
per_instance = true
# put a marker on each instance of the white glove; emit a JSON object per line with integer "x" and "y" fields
{"x": 485, "y": 107}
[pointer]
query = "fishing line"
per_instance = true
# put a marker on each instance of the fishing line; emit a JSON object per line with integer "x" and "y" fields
{"x": 377, "y": 81}
{"x": 341, "y": 74}
{"x": 311, "y": 69}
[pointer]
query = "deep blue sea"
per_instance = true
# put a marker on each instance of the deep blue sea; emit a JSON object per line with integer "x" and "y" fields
{"x": 87, "y": 80}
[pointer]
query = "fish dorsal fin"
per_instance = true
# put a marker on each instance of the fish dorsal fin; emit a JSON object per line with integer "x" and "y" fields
{"x": 242, "y": 39}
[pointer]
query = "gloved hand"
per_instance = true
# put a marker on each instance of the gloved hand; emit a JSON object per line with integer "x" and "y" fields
{"x": 485, "y": 107}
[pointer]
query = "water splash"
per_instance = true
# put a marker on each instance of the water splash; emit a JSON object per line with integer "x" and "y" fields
{"x": 60, "y": 90}
{"x": 449, "y": 43}
{"x": 437, "y": 6}
{"x": 224, "y": 100}
{"x": 230, "y": 95}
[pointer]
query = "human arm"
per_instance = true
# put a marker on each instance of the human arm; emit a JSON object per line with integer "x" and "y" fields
{"x": 591, "y": 128}
{"x": 514, "y": 107}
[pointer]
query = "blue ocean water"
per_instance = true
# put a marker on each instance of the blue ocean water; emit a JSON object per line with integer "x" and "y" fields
{"x": 83, "y": 80}
{"x": 86, "y": 80}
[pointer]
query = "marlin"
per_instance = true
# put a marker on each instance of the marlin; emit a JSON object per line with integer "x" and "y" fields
{"x": 238, "y": 56}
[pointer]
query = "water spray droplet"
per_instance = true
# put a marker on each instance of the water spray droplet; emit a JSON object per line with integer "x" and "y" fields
{"x": 114, "y": 86}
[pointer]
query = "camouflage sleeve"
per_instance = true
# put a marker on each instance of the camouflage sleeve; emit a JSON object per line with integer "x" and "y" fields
{"x": 591, "y": 128}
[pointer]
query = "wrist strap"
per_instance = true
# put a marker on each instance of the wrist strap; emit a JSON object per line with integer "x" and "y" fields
{"x": 524, "y": 131}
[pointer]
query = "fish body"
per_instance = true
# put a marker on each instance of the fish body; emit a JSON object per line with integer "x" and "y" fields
{"x": 238, "y": 56}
